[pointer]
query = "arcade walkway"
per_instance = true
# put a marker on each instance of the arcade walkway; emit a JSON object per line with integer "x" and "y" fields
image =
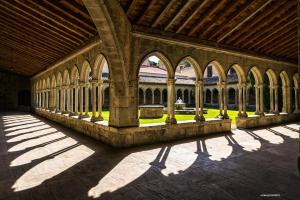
{"x": 42, "y": 160}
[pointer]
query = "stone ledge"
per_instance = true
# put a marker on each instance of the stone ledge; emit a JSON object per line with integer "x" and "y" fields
{"x": 133, "y": 136}
{"x": 267, "y": 120}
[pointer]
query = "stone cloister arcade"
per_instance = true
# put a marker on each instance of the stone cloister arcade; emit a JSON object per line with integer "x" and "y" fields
{"x": 61, "y": 92}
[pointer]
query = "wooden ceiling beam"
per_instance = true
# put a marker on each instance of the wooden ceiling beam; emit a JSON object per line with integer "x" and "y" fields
{"x": 219, "y": 18}
{"x": 131, "y": 7}
{"x": 83, "y": 22}
{"x": 280, "y": 46}
{"x": 225, "y": 35}
{"x": 161, "y": 15}
{"x": 179, "y": 14}
{"x": 72, "y": 4}
{"x": 28, "y": 36}
{"x": 264, "y": 21}
{"x": 48, "y": 17}
{"x": 282, "y": 33}
{"x": 206, "y": 15}
{"x": 144, "y": 12}
{"x": 14, "y": 25}
{"x": 267, "y": 35}
{"x": 30, "y": 20}
{"x": 231, "y": 19}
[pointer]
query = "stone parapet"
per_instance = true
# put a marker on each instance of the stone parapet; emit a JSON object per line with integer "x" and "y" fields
{"x": 134, "y": 136}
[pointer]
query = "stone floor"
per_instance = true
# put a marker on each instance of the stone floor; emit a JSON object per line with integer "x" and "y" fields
{"x": 42, "y": 160}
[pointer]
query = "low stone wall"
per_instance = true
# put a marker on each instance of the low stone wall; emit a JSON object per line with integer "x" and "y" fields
{"x": 133, "y": 136}
{"x": 267, "y": 120}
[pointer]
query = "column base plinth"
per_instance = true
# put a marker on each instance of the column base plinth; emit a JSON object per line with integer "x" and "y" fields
{"x": 171, "y": 120}
{"x": 199, "y": 118}
{"x": 96, "y": 119}
{"x": 226, "y": 116}
{"x": 82, "y": 116}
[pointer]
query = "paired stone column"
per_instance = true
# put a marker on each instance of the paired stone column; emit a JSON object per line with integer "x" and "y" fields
{"x": 261, "y": 102}
{"x": 81, "y": 100}
{"x": 100, "y": 89}
{"x": 63, "y": 101}
{"x": 240, "y": 91}
{"x": 275, "y": 88}
{"x": 86, "y": 100}
{"x": 220, "y": 100}
{"x": 171, "y": 102}
{"x": 161, "y": 97}
{"x": 284, "y": 95}
{"x": 47, "y": 98}
{"x": 257, "y": 100}
{"x": 57, "y": 100}
{"x": 68, "y": 98}
{"x": 271, "y": 99}
{"x": 76, "y": 100}
{"x": 244, "y": 87}
{"x": 71, "y": 100}
{"x": 199, "y": 117}
{"x": 225, "y": 100}
{"x": 94, "y": 117}
{"x": 296, "y": 99}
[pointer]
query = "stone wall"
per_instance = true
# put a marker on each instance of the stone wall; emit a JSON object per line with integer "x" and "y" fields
{"x": 14, "y": 92}
{"x": 133, "y": 136}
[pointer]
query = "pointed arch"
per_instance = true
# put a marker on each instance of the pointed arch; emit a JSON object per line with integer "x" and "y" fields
{"x": 240, "y": 73}
{"x": 58, "y": 79}
{"x": 74, "y": 75}
{"x": 85, "y": 71}
{"x": 165, "y": 61}
{"x": 272, "y": 77}
{"x": 284, "y": 78}
{"x": 195, "y": 65}
{"x": 296, "y": 80}
{"x": 48, "y": 83}
{"x": 44, "y": 84}
{"x": 219, "y": 68}
{"x": 53, "y": 81}
{"x": 257, "y": 75}
{"x": 66, "y": 78}
{"x": 98, "y": 66}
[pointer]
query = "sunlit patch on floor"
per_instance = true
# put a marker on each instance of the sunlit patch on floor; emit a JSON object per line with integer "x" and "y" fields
{"x": 268, "y": 136}
{"x": 27, "y": 130}
{"x": 285, "y": 131}
{"x": 244, "y": 140}
{"x": 52, "y": 167}
{"x": 32, "y": 135}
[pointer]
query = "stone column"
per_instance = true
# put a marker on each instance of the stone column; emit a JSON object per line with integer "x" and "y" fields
{"x": 171, "y": 100}
{"x": 225, "y": 100}
{"x": 152, "y": 91}
{"x": 71, "y": 99}
{"x": 63, "y": 101}
{"x": 244, "y": 102}
{"x": 161, "y": 97}
{"x": 68, "y": 90}
{"x": 257, "y": 110}
{"x": 81, "y": 101}
{"x": 144, "y": 97}
{"x": 271, "y": 99}
{"x": 240, "y": 91}
{"x": 284, "y": 99}
{"x": 201, "y": 91}
{"x": 296, "y": 98}
{"x": 275, "y": 88}
{"x": 47, "y": 98}
{"x": 211, "y": 97}
{"x": 288, "y": 99}
{"x": 100, "y": 89}
{"x": 57, "y": 100}
{"x": 236, "y": 98}
{"x": 86, "y": 114}
{"x": 197, "y": 101}
{"x": 261, "y": 95}
{"x": 220, "y": 99}
{"x": 94, "y": 117}
{"x": 76, "y": 100}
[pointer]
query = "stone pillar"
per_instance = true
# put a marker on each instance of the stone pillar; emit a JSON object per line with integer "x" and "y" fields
{"x": 257, "y": 110}
{"x": 71, "y": 99}
{"x": 86, "y": 100}
{"x": 271, "y": 99}
{"x": 284, "y": 99}
{"x": 275, "y": 88}
{"x": 225, "y": 100}
{"x": 100, "y": 89}
{"x": 288, "y": 102}
{"x": 47, "y": 98}
{"x": 261, "y": 102}
{"x": 161, "y": 97}
{"x": 68, "y": 91}
{"x": 296, "y": 99}
{"x": 152, "y": 91}
{"x": 244, "y": 102}
{"x": 94, "y": 117}
{"x": 76, "y": 100}
{"x": 240, "y": 91}
{"x": 197, "y": 101}
{"x": 144, "y": 97}
{"x": 57, "y": 100}
{"x": 171, "y": 100}
{"x": 63, "y": 101}
{"x": 211, "y": 97}
{"x": 220, "y": 99}
{"x": 81, "y": 101}
{"x": 201, "y": 89}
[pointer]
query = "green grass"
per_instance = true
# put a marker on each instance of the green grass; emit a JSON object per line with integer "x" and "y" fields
{"x": 211, "y": 113}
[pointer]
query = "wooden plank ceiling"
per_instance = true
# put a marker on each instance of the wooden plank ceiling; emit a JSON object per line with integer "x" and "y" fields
{"x": 263, "y": 27}
{"x": 36, "y": 33}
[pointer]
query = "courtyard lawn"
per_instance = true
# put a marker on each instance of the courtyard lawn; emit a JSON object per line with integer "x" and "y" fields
{"x": 211, "y": 113}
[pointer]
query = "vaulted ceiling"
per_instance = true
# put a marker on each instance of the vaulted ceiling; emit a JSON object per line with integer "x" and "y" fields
{"x": 264, "y": 27}
{"x": 37, "y": 33}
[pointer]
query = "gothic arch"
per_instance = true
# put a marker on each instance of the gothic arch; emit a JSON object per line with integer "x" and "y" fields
{"x": 85, "y": 71}
{"x": 59, "y": 79}
{"x": 74, "y": 75}
{"x": 219, "y": 68}
{"x": 66, "y": 78}
{"x": 99, "y": 64}
{"x": 240, "y": 73}
{"x": 257, "y": 75}
{"x": 196, "y": 67}
{"x": 165, "y": 61}
{"x": 272, "y": 77}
